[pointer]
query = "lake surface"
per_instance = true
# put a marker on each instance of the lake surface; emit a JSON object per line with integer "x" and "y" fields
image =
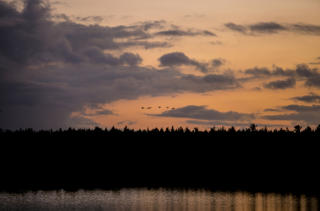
{"x": 159, "y": 199}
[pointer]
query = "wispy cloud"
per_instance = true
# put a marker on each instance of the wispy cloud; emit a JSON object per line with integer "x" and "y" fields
{"x": 310, "y": 98}
{"x": 274, "y": 27}
{"x": 178, "y": 32}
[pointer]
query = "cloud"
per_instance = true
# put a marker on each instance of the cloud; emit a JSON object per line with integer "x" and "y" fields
{"x": 281, "y": 84}
{"x": 236, "y": 27}
{"x": 313, "y": 81}
{"x": 274, "y": 27}
{"x": 306, "y": 28}
{"x": 87, "y": 19}
{"x": 53, "y": 94}
{"x": 202, "y": 113}
{"x": 173, "y": 59}
{"x": 208, "y": 33}
{"x": 30, "y": 36}
{"x": 303, "y": 72}
{"x": 49, "y": 70}
{"x": 179, "y": 58}
{"x": 100, "y": 112}
{"x": 130, "y": 59}
{"x": 307, "y": 114}
{"x": 179, "y": 32}
{"x": 267, "y": 27}
{"x": 94, "y": 19}
{"x": 216, "y": 63}
{"x": 258, "y": 72}
{"x": 310, "y": 98}
{"x": 314, "y": 63}
{"x": 148, "y": 25}
{"x": 312, "y": 76}
{"x": 97, "y": 56}
{"x": 271, "y": 109}
{"x": 302, "y": 108}
{"x": 307, "y": 117}
{"x": 104, "y": 112}
{"x": 262, "y": 72}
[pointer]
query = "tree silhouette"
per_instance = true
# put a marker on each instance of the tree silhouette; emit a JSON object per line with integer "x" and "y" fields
{"x": 318, "y": 129}
{"x": 252, "y": 130}
{"x": 297, "y": 128}
{"x": 253, "y": 127}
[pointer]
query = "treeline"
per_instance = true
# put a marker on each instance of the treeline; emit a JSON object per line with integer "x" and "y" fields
{"x": 253, "y": 159}
{"x": 252, "y": 130}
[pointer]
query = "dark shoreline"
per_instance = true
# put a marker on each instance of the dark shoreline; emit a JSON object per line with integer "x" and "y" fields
{"x": 253, "y": 161}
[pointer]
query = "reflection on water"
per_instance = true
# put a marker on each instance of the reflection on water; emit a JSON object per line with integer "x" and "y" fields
{"x": 143, "y": 199}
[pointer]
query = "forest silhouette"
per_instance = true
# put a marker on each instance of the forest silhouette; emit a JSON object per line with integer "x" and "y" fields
{"x": 251, "y": 159}
{"x": 252, "y": 130}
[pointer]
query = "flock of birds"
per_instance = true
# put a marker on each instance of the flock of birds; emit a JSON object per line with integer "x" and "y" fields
{"x": 159, "y": 107}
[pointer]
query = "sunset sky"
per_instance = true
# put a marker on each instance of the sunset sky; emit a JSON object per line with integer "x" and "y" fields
{"x": 146, "y": 64}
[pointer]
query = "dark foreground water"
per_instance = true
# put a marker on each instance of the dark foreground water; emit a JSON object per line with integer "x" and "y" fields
{"x": 161, "y": 199}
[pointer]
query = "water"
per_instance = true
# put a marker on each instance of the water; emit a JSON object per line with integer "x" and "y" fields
{"x": 161, "y": 199}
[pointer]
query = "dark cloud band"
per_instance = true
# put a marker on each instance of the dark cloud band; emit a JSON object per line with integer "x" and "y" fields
{"x": 310, "y": 98}
{"x": 281, "y": 84}
{"x": 203, "y": 113}
{"x": 273, "y": 27}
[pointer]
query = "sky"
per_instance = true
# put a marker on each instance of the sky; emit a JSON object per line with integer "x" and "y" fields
{"x": 146, "y": 64}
